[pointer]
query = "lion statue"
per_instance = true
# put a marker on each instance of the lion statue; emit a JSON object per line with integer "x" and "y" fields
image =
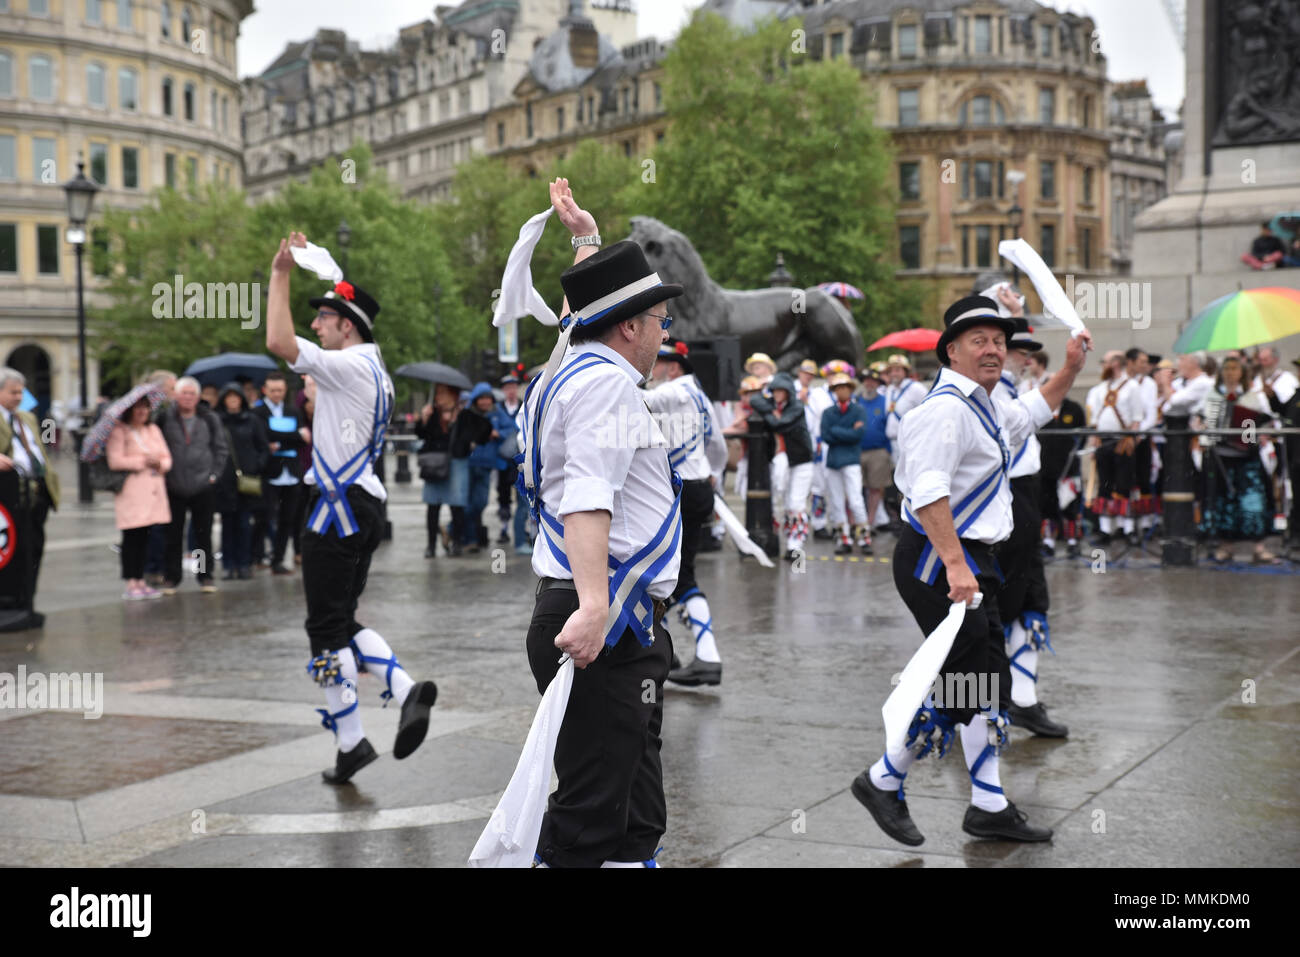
{"x": 788, "y": 324}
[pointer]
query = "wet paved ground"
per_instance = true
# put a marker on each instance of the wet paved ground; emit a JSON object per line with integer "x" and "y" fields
{"x": 209, "y": 749}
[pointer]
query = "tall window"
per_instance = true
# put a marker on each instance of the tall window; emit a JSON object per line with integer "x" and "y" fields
{"x": 983, "y": 246}
{"x": 528, "y": 120}
{"x": 38, "y": 8}
{"x": 6, "y": 75}
{"x": 909, "y": 180}
{"x": 99, "y": 163}
{"x": 43, "y": 168}
{"x": 983, "y": 179}
{"x": 981, "y": 111}
{"x": 1085, "y": 246}
{"x": 1047, "y": 179}
{"x": 909, "y": 246}
{"x": 126, "y": 89}
{"x": 130, "y": 167}
{"x": 1047, "y": 243}
{"x": 907, "y": 40}
{"x": 8, "y": 247}
{"x": 165, "y": 13}
{"x": 659, "y": 97}
{"x": 99, "y": 251}
{"x": 47, "y": 250}
{"x": 501, "y": 133}
{"x": 187, "y": 25}
{"x": 167, "y": 95}
{"x": 559, "y": 119}
{"x": 627, "y": 101}
{"x": 225, "y": 113}
{"x": 94, "y": 11}
{"x": 212, "y": 109}
{"x": 837, "y": 45}
{"x": 40, "y": 78}
{"x": 189, "y": 102}
{"x": 169, "y": 170}
{"x": 1044, "y": 40}
{"x": 8, "y": 161}
{"x": 124, "y": 21}
{"x": 1046, "y": 105}
{"x": 909, "y": 107}
{"x": 192, "y": 172}
{"x": 1087, "y": 184}
{"x": 95, "y": 93}
{"x": 983, "y": 34}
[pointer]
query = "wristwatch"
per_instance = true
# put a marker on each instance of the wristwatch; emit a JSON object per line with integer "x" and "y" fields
{"x": 592, "y": 240}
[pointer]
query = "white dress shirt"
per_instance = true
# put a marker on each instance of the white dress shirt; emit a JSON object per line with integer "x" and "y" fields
{"x": 1027, "y": 457}
{"x": 343, "y": 422}
{"x": 944, "y": 452}
{"x": 1092, "y": 402}
{"x": 23, "y": 464}
{"x": 677, "y": 404}
{"x": 601, "y": 450}
{"x": 1284, "y": 385}
{"x": 1150, "y": 393}
{"x": 819, "y": 400}
{"x": 1189, "y": 398}
{"x": 1128, "y": 406}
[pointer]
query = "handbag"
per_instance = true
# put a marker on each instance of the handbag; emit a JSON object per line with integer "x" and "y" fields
{"x": 248, "y": 485}
{"x": 434, "y": 466}
{"x": 105, "y": 479}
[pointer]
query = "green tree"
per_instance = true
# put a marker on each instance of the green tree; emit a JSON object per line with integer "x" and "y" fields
{"x": 769, "y": 151}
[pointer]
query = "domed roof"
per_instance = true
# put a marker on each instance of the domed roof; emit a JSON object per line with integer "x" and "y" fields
{"x": 552, "y": 64}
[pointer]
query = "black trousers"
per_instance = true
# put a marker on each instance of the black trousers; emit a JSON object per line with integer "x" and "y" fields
{"x": 134, "y": 543}
{"x": 334, "y": 571}
{"x": 1025, "y": 587}
{"x": 199, "y": 506}
{"x": 281, "y": 513}
{"x": 980, "y": 647}
{"x": 609, "y": 805}
{"x": 697, "y": 511}
{"x": 40, "y": 512}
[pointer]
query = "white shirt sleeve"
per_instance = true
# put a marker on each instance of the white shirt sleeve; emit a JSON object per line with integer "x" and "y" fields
{"x": 330, "y": 368}
{"x": 1189, "y": 399}
{"x": 597, "y": 454}
{"x": 931, "y": 444}
{"x": 1022, "y": 417}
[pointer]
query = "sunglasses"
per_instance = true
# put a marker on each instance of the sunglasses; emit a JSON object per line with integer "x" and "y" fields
{"x": 664, "y": 321}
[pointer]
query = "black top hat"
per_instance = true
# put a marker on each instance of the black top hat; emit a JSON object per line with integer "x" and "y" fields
{"x": 1020, "y": 338}
{"x": 352, "y": 302}
{"x": 674, "y": 350}
{"x": 966, "y": 314}
{"x": 615, "y": 284}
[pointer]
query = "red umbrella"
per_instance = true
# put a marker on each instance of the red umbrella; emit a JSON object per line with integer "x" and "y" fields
{"x": 909, "y": 340}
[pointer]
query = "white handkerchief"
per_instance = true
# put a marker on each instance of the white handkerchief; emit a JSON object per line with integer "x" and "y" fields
{"x": 1055, "y": 301}
{"x": 518, "y": 297}
{"x": 918, "y": 677}
{"x": 318, "y": 260}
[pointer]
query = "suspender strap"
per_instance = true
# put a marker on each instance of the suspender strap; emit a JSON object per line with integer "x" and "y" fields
{"x": 333, "y": 508}
{"x": 679, "y": 455}
{"x": 964, "y": 514}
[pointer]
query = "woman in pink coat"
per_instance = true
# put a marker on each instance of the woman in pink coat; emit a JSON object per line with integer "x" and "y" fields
{"x": 137, "y": 447}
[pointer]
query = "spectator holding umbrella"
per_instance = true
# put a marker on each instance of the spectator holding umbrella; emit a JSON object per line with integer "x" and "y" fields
{"x": 445, "y": 482}
{"x": 239, "y": 490}
{"x": 137, "y": 447}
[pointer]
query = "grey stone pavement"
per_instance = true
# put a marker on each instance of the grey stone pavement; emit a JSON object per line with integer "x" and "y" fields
{"x": 209, "y": 749}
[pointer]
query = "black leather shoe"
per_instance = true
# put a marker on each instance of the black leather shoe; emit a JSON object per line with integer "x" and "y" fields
{"x": 415, "y": 718}
{"x": 1009, "y": 824}
{"x": 889, "y": 812}
{"x": 697, "y": 673}
{"x": 1035, "y": 719}
{"x": 1072, "y": 550}
{"x": 1102, "y": 540}
{"x": 823, "y": 535}
{"x": 865, "y": 548}
{"x": 843, "y": 549}
{"x": 349, "y": 763}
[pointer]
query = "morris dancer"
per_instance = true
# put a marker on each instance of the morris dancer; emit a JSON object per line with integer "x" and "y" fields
{"x": 952, "y": 471}
{"x": 345, "y": 519}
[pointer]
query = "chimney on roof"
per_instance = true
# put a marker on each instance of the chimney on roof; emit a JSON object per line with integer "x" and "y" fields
{"x": 584, "y": 41}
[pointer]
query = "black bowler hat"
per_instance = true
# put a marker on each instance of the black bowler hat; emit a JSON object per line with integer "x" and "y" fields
{"x": 352, "y": 302}
{"x": 1020, "y": 339}
{"x": 674, "y": 350}
{"x": 615, "y": 284}
{"x": 966, "y": 314}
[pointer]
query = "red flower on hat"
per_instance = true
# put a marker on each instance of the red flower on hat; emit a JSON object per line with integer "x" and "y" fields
{"x": 345, "y": 290}
{"x": 681, "y": 349}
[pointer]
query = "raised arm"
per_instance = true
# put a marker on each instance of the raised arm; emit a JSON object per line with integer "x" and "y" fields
{"x": 578, "y": 221}
{"x": 280, "y": 337}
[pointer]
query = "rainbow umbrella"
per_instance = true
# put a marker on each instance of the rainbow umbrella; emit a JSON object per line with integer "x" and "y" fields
{"x": 1242, "y": 319}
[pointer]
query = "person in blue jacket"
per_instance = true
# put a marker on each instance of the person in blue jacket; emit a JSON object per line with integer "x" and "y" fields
{"x": 484, "y": 460}
{"x": 842, "y": 427}
{"x": 877, "y": 466}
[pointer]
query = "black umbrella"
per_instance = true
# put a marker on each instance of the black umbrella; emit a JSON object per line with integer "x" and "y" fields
{"x": 436, "y": 373}
{"x": 220, "y": 369}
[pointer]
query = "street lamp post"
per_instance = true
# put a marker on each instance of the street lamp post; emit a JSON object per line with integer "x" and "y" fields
{"x": 80, "y": 193}
{"x": 345, "y": 240}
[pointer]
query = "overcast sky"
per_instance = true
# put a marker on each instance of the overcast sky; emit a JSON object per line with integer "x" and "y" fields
{"x": 1136, "y": 36}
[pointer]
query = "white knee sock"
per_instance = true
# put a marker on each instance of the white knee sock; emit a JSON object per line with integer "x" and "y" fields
{"x": 348, "y": 726}
{"x": 1106, "y": 523}
{"x": 372, "y": 645}
{"x": 974, "y": 739}
{"x": 701, "y": 623}
{"x": 883, "y": 778}
{"x": 1023, "y": 688}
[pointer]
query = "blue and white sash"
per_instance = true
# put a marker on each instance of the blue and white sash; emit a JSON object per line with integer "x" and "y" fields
{"x": 970, "y": 507}
{"x": 701, "y": 435}
{"x": 333, "y": 507}
{"x": 1024, "y": 446}
{"x": 630, "y": 604}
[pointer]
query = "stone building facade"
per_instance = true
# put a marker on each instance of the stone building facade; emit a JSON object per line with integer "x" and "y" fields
{"x": 148, "y": 94}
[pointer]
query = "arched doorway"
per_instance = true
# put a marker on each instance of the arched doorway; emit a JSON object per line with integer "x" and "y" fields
{"x": 34, "y": 363}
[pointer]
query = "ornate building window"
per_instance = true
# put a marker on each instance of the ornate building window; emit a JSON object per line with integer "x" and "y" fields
{"x": 40, "y": 78}
{"x": 907, "y": 40}
{"x": 165, "y": 25}
{"x": 909, "y": 246}
{"x": 982, "y": 110}
{"x": 909, "y": 107}
{"x": 96, "y": 94}
{"x": 909, "y": 180}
